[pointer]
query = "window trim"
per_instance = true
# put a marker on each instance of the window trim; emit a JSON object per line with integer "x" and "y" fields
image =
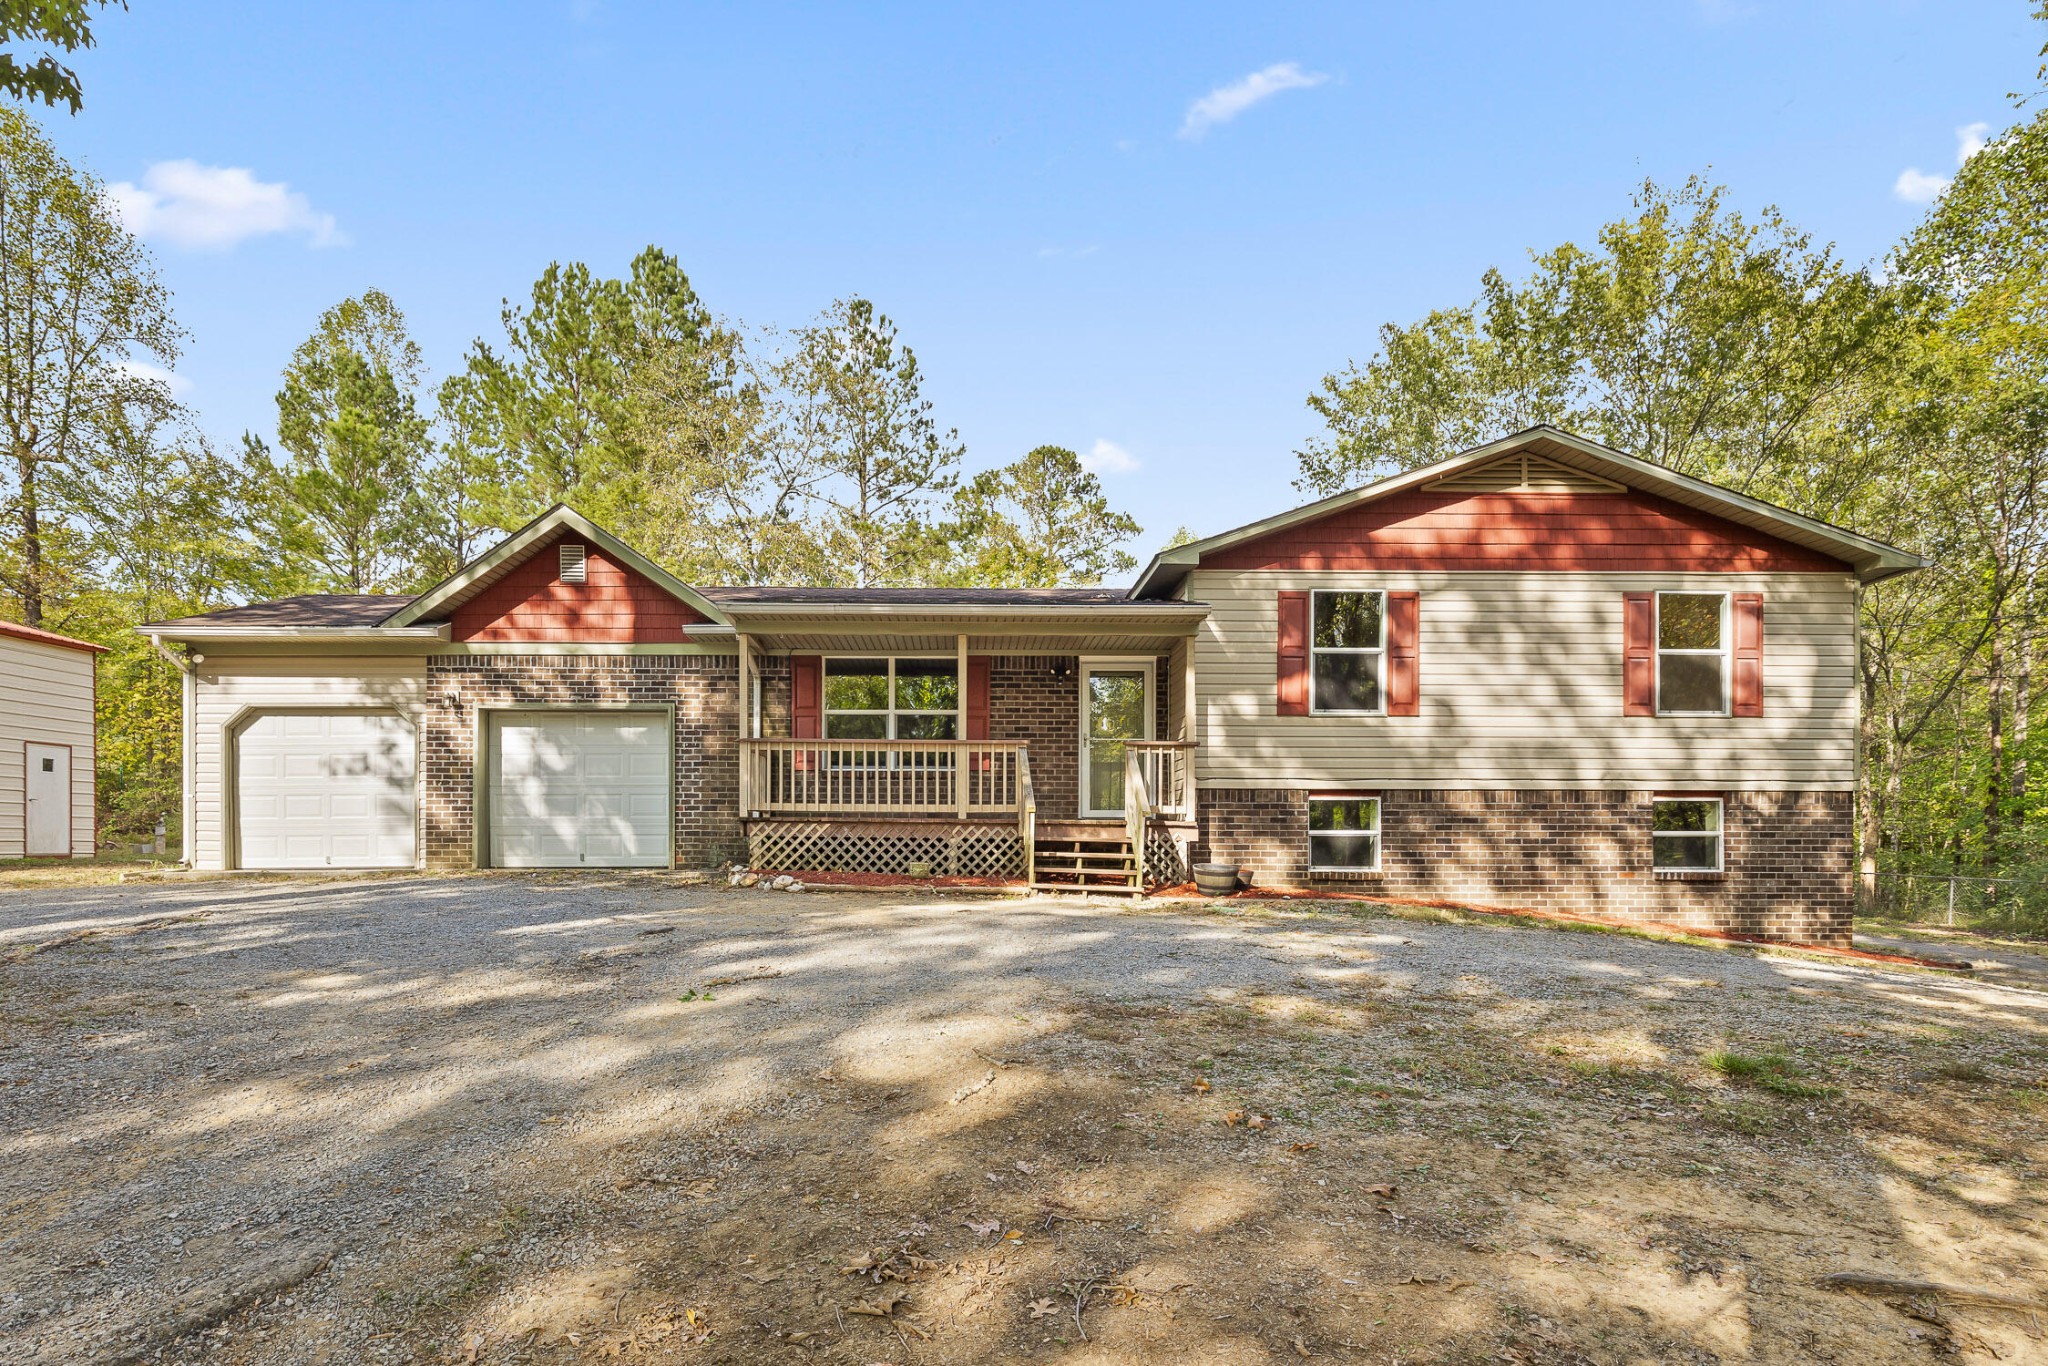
{"x": 826, "y": 711}
{"x": 1725, "y": 650}
{"x": 1379, "y": 822}
{"x": 1380, "y": 650}
{"x": 1719, "y": 832}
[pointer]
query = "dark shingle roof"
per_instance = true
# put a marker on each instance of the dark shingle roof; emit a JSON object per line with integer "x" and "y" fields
{"x": 737, "y": 596}
{"x": 308, "y": 609}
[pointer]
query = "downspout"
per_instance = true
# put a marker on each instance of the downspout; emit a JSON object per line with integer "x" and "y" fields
{"x": 188, "y": 835}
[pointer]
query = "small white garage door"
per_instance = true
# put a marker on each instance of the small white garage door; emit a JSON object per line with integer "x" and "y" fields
{"x": 325, "y": 790}
{"x": 580, "y": 789}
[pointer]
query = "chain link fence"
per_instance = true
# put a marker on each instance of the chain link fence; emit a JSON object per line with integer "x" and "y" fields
{"x": 2015, "y": 903}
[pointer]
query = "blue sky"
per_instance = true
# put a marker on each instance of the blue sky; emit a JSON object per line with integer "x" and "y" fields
{"x": 1143, "y": 231}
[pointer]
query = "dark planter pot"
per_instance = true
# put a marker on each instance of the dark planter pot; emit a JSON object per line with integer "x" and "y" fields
{"x": 1215, "y": 879}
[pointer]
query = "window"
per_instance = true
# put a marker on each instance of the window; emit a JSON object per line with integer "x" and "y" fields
{"x": 892, "y": 699}
{"x": 1685, "y": 835}
{"x": 1692, "y": 654}
{"x": 1347, "y": 648}
{"x": 1344, "y": 834}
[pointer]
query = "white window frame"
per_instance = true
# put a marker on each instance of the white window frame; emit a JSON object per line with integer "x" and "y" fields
{"x": 1719, "y": 832}
{"x": 1723, "y": 652}
{"x": 826, "y": 711}
{"x": 1379, "y": 821}
{"x": 1380, "y": 650}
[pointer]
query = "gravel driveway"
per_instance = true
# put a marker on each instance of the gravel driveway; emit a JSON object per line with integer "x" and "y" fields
{"x": 368, "y": 1120}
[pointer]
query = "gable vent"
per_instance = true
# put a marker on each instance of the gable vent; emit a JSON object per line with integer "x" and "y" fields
{"x": 572, "y": 563}
{"x": 1526, "y": 473}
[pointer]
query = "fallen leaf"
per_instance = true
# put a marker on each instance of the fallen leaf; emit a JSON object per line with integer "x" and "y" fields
{"x": 1302, "y": 1147}
{"x": 1258, "y": 1121}
{"x": 881, "y": 1307}
{"x": 1024, "y": 1167}
{"x": 1200, "y": 1086}
{"x": 1385, "y": 1192}
{"x": 985, "y": 1228}
{"x": 1233, "y": 1117}
{"x": 1043, "y": 1309}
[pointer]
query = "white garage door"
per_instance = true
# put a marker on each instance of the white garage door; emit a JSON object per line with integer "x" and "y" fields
{"x": 325, "y": 790}
{"x": 580, "y": 789}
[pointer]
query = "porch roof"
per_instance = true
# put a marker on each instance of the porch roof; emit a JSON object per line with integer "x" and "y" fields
{"x": 1044, "y": 621}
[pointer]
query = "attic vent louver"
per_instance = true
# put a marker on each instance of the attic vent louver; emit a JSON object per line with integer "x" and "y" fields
{"x": 572, "y": 564}
{"x": 1526, "y": 473}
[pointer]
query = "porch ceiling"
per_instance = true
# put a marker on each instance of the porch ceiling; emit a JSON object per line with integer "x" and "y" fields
{"x": 1039, "y": 643}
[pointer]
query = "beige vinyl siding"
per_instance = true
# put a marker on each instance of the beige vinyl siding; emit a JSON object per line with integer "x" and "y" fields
{"x": 1521, "y": 688}
{"x": 46, "y": 697}
{"x": 229, "y": 686}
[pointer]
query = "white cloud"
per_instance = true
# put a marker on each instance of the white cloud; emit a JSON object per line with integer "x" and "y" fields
{"x": 142, "y": 369}
{"x": 1916, "y": 186}
{"x": 1106, "y": 457}
{"x": 211, "y": 208}
{"x": 1226, "y": 102}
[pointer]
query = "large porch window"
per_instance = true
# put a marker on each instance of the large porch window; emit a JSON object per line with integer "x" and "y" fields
{"x": 892, "y": 699}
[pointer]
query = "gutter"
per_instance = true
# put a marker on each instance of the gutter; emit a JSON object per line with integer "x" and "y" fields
{"x": 308, "y": 634}
{"x": 188, "y": 736}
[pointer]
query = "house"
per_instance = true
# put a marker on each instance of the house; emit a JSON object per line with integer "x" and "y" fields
{"x": 1542, "y": 673}
{"x": 47, "y": 744}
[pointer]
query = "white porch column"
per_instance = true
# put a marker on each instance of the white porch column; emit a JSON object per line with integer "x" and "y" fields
{"x": 961, "y": 780}
{"x": 746, "y": 719}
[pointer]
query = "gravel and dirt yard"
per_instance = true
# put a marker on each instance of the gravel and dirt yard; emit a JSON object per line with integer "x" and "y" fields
{"x": 537, "y": 1119}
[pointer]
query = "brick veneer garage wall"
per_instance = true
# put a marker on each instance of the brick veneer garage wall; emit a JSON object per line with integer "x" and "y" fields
{"x": 1787, "y": 855}
{"x": 702, "y": 688}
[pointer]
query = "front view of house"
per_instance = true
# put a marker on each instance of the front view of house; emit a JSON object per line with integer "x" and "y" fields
{"x": 1542, "y": 673}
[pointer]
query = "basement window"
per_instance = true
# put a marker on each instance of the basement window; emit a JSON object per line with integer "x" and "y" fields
{"x": 1344, "y": 834}
{"x": 1685, "y": 835}
{"x": 572, "y": 563}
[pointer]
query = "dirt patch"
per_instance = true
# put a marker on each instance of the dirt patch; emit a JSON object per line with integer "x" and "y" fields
{"x": 597, "y": 1119}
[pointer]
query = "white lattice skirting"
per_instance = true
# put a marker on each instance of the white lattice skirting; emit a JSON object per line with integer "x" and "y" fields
{"x": 1165, "y": 858}
{"x": 963, "y": 850}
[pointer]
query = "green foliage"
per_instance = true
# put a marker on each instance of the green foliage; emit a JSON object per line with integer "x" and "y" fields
{"x": 1690, "y": 335}
{"x": 79, "y": 301}
{"x": 62, "y": 24}
{"x": 1039, "y": 522}
{"x": 349, "y": 508}
{"x": 1773, "y": 1072}
{"x": 550, "y": 418}
{"x": 858, "y": 414}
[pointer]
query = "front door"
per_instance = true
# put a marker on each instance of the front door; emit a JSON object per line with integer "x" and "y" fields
{"x": 1116, "y": 705}
{"x": 49, "y": 799}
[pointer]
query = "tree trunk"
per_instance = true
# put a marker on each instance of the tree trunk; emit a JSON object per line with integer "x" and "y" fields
{"x": 31, "y": 542}
{"x": 1994, "y": 735}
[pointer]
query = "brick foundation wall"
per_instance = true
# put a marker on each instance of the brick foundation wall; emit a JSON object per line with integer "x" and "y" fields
{"x": 1786, "y": 855}
{"x": 702, "y": 688}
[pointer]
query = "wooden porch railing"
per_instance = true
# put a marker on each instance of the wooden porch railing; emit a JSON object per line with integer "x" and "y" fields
{"x": 1159, "y": 782}
{"x": 958, "y": 778}
{"x": 1167, "y": 772}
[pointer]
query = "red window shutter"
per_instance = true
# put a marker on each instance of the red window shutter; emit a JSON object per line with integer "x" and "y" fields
{"x": 1292, "y": 698}
{"x": 977, "y": 697}
{"x": 806, "y": 696}
{"x": 1746, "y": 693}
{"x": 1639, "y": 654}
{"x": 1404, "y": 630}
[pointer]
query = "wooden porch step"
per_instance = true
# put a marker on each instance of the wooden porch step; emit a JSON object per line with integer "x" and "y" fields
{"x": 1109, "y": 888}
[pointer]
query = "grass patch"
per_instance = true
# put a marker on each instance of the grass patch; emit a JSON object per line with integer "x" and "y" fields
{"x": 1773, "y": 1072}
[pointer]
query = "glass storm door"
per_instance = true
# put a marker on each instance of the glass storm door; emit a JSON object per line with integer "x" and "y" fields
{"x": 1115, "y": 707}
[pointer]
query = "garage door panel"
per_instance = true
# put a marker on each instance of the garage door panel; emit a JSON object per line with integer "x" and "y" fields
{"x": 579, "y": 789}
{"x": 325, "y": 790}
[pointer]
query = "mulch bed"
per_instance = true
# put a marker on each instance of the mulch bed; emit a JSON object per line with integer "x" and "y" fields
{"x": 1187, "y": 890}
{"x": 887, "y": 882}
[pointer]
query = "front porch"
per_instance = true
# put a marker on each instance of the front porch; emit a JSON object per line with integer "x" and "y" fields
{"x": 962, "y": 809}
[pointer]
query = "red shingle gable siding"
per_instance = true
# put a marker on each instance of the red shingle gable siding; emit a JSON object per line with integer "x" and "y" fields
{"x": 615, "y": 605}
{"x": 1449, "y": 530}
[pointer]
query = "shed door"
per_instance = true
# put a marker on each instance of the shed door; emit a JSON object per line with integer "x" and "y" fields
{"x": 325, "y": 790}
{"x": 49, "y": 799}
{"x": 579, "y": 789}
